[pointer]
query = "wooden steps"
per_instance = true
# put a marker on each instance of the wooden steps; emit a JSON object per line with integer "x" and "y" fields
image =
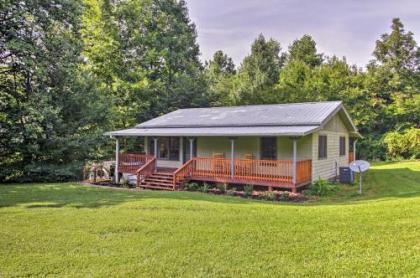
{"x": 159, "y": 181}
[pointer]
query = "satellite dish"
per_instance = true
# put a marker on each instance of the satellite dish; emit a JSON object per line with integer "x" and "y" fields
{"x": 359, "y": 166}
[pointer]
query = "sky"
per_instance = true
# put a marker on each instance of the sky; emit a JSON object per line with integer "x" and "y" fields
{"x": 342, "y": 27}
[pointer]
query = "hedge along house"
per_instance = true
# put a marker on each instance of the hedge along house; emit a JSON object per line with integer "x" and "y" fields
{"x": 275, "y": 146}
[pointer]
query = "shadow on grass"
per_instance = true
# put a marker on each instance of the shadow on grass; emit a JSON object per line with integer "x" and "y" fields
{"x": 58, "y": 195}
{"x": 377, "y": 184}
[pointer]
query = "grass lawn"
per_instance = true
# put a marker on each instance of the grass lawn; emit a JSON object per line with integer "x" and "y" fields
{"x": 74, "y": 230}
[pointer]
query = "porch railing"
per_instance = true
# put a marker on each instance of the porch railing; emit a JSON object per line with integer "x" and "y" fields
{"x": 131, "y": 162}
{"x": 245, "y": 170}
{"x": 146, "y": 170}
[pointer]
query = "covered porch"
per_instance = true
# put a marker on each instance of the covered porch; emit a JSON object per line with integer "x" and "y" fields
{"x": 223, "y": 160}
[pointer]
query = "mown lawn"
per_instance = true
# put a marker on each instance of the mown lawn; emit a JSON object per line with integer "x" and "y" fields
{"x": 74, "y": 230}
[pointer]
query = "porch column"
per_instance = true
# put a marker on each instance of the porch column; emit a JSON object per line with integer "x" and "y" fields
{"x": 117, "y": 160}
{"x": 181, "y": 149}
{"x": 191, "y": 147}
{"x": 354, "y": 149}
{"x": 232, "y": 157}
{"x": 294, "y": 160}
{"x": 155, "y": 145}
{"x": 146, "y": 145}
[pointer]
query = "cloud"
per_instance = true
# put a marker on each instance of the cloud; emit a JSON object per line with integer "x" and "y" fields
{"x": 345, "y": 28}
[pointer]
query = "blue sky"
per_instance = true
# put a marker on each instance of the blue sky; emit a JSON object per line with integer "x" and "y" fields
{"x": 345, "y": 28}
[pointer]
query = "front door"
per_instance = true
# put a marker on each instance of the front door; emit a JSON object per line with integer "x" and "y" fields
{"x": 186, "y": 154}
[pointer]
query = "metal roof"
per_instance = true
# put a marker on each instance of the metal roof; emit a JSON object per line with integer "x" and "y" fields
{"x": 218, "y": 131}
{"x": 294, "y": 119}
{"x": 310, "y": 113}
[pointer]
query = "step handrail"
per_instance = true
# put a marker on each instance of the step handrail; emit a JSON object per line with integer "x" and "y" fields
{"x": 183, "y": 172}
{"x": 146, "y": 170}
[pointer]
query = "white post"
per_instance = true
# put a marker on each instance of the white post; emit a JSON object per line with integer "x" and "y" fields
{"x": 232, "y": 157}
{"x": 117, "y": 160}
{"x": 146, "y": 145}
{"x": 191, "y": 147}
{"x": 354, "y": 149}
{"x": 294, "y": 160}
{"x": 155, "y": 146}
{"x": 181, "y": 150}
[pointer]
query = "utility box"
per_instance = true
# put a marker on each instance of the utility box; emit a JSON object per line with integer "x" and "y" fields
{"x": 346, "y": 175}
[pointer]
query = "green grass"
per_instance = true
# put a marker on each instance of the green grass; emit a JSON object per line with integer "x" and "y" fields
{"x": 74, "y": 230}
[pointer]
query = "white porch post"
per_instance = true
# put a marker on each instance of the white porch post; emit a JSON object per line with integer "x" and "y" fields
{"x": 117, "y": 160}
{"x": 191, "y": 147}
{"x": 155, "y": 146}
{"x": 232, "y": 157}
{"x": 146, "y": 145}
{"x": 354, "y": 149}
{"x": 294, "y": 160}
{"x": 181, "y": 149}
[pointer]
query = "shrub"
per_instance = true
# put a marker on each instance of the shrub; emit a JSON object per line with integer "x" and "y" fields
{"x": 284, "y": 196}
{"x": 205, "y": 188}
{"x": 221, "y": 187}
{"x": 268, "y": 195}
{"x": 49, "y": 172}
{"x": 248, "y": 189}
{"x": 192, "y": 186}
{"x": 231, "y": 192}
{"x": 322, "y": 188}
{"x": 403, "y": 145}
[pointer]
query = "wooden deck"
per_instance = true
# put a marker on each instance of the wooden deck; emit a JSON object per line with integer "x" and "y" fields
{"x": 270, "y": 173}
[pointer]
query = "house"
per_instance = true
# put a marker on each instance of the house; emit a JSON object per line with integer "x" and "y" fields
{"x": 273, "y": 146}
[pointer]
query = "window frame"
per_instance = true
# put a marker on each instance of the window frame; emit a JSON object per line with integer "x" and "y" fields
{"x": 273, "y": 148}
{"x": 168, "y": 143}
{"x": 342, "y": 146}
{"x": 322, "y": 146}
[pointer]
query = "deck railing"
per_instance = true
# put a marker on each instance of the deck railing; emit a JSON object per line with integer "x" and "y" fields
{"x": 184, "y": 172}
{"x": 146, "y": 170}
{"x": 131, "y": 162}
{"x": 249, "y": 171}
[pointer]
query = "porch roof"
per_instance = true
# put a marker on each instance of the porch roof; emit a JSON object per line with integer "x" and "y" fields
{"x": 218, "y": 131}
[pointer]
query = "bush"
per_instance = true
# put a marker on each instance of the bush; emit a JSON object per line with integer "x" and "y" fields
{"x": 221, "y": 187}
{"x": 322, "y": 188}
{"x": 231, "y": 192}
{"x": 403, "y": 145}
{"x": 47, "y": 173}
{"x": 268, "y": 195}
{"x": 248, "y": 189}
{"x": 284, "y": 196}
{"x": 205, "y": 188}
{"x": 192, "y": 186}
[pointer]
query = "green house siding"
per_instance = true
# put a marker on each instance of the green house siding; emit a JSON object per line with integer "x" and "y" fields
{"x": 208, "y": 146}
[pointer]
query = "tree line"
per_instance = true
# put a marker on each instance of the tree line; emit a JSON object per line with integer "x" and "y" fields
{"x": 71, "y": 70}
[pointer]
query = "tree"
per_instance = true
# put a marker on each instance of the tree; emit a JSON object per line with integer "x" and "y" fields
{"x": 150, "y": 65}
{"x": 259, "y": 71}
{"x": 221, "y": 64}
{"x": 220, "y": 74}
{"x": 394, "y": 80}
{"x": 45, "y": 101}
{"x": 304, "y": 50}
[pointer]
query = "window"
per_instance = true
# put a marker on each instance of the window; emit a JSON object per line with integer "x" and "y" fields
{"x": 168, "y": 148}
{"x": 342, "y": 145}
{"x": 322, "y": 146}
{"x": 269, "y": 148}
